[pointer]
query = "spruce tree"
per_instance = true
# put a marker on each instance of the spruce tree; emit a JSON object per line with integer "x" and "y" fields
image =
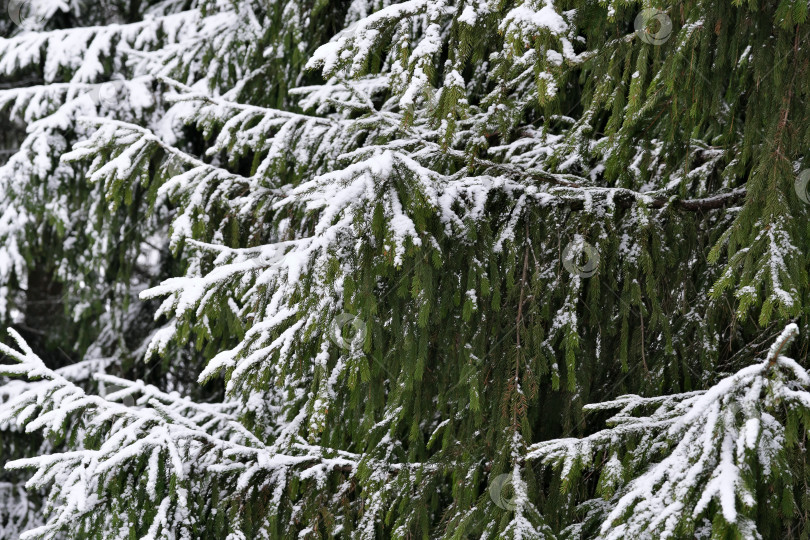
{"x": 419, "y": 269}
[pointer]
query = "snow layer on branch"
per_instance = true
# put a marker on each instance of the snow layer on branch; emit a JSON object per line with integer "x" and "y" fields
{"x": 526, "y": 19}
{"x": 711, "y": 442}
{"x": 191, "y": 438}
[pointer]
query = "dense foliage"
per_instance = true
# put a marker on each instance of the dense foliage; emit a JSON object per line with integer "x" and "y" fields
{"x": 375, "y": 269}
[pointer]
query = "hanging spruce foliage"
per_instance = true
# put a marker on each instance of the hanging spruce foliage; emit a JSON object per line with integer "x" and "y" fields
{"x": 421, "y": 269}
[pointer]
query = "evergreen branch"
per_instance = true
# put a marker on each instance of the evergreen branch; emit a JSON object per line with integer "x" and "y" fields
{"x": 709, "y": 203}
{"x": 81, "y": 150}
{"x": 705, "y": 429}
{"x": 190, "y": 94}
{"x": 399, "y": 193}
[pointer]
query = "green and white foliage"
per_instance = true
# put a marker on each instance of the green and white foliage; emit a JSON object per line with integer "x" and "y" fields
{"x": 414, "y": 243}
{"x": 718, "y": 455}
